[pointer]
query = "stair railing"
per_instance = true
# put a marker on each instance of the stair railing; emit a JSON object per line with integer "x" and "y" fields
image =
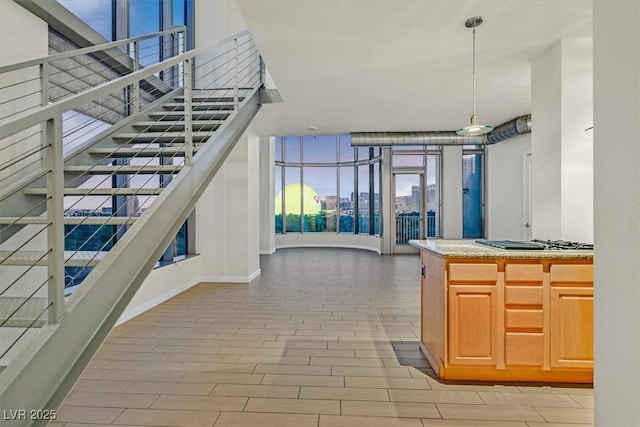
{"x": 34, "y": 144}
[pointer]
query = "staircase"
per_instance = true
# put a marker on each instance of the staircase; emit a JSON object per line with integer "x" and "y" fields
{"x": 140, "y": 178}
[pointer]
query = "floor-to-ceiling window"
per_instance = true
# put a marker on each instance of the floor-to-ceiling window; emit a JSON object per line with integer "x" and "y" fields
{"x": 472, "y": 191}
{"x": 115, "y": 20}
{"x": 325, "y": 185}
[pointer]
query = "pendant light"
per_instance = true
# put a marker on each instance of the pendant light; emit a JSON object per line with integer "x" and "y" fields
{"x": 474, "y": 128}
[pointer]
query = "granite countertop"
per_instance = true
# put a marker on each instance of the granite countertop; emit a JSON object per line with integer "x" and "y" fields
{"x": 471, "y": 249}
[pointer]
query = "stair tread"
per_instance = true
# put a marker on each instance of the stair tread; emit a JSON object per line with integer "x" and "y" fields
{"x": 177, "y": 123}
{"x": 32, "y": 309}
{"x": 143, "y": 152}
{"x": 73, "y": 220}
{"x": 72, "y": 258}
{"x": 99, "y": 191}
{"x": 172, "y": 115}
{"x": 125, "y": 169}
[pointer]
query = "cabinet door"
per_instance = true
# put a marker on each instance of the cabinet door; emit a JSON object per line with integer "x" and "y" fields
{"x": 571, "y": 328}
{"x": 472, "y": 319}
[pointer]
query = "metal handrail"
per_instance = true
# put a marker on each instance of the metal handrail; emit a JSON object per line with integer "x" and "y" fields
{"x": 86, "y": 50}
{"x": 243, "y": 68}
{"x": 47, "y": 112}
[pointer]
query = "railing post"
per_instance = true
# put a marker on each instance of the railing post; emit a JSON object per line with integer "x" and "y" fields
{"x": 235, "y": 74}
{"x": 53, "y": 162}
{"x": 263, "y": 73}
{"x": 136, "y": 85}
{"x": 44, "y": 83}
{"x": 188, "y": 119}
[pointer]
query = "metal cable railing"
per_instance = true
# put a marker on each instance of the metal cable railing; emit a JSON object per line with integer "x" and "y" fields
{"x": 122, "y": 170}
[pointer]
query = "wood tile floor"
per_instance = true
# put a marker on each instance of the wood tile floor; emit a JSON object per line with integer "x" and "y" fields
{"x": 323, "y": 338}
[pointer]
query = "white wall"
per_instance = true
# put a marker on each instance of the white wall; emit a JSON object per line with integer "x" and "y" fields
{"x": 23, "y": 36}
{"x": 616, "y": 29}
{"x": 163, "y": 283}
{"x": 505, "y": 188}
{"x": 577, "y": 145}
{"x": 452, "y": 192}
{"x": 546, "y": 144}
{"x": 227, "y": 217}
{"x": 562, "y": 152}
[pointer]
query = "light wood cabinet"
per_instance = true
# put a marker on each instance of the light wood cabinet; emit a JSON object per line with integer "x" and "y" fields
{"x": 473, "y": 313}
{"x": 571, "y": 327}
{"x": 507, "y": 320}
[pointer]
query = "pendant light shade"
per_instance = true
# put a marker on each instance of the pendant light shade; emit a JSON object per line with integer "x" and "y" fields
{"x": 474, "y": 128}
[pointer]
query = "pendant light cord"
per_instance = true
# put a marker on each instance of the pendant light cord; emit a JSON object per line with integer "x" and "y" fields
{"x": 474, "y": 71}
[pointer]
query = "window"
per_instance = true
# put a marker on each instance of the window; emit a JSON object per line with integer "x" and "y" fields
{"x": 320, "y": 192}
{"x": 98, "y": 14}
{"x": 472, "y": 193}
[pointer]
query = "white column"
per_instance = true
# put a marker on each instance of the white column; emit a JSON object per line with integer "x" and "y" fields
{"x": 452, "y": 192}
{"x": 388, "y": 202}
{"x": 267, "y": 196}
{"x": 616, "y": 37}
{"x": 562, "y": 152}
{"x": 228, "y": 217}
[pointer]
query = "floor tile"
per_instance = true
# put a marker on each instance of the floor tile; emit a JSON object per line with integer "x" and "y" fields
{"x": 162, "y": 417}
{"x": 494, "y": 412}
{"x": 101, "y": 386}
{"x": 528, "y": 399}
{"x": 193, "y": 389}
{"x": 256, "y": 390}
{"x": 435, "y": 396}
{"x": 245, "y": 419}
{"x": 472, "y": 423}
{"x": 309, "y": 380}
{"x": 200, "y": 403}
{"x": 390, "y": 409}
{"x": 387, "y": 382}
{"x": 370, "y": 372}
{"x": 566, "y": 415}
{"x": 293, "y": 369}
{"x": 124, "y": 375}
{"x": 346, "y": 361}
{"x": 338, "y": 393}
{"x": 86, "y": 414}
{"x": 584, "y": 400}
{"x": 110, "y": 400}
{"x": 293, "y": 406}
{"x": 356, "y": 421}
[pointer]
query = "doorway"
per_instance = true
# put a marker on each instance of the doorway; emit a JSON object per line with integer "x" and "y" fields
{"x": 409, "y": 224}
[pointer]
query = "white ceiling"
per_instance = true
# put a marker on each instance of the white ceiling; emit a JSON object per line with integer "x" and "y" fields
{"x": 346, "y": 66}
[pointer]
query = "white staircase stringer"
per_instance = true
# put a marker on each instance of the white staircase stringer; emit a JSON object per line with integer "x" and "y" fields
{"x": 49, "y": 366}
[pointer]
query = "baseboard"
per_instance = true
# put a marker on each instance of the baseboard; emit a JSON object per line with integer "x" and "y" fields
{"x": 128, "y": 315}
{"x": 328, "y": 245}
{"x": 231, "y": 279}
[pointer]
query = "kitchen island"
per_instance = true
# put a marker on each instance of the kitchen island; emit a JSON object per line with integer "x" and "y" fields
{"x": 506, "y": 315}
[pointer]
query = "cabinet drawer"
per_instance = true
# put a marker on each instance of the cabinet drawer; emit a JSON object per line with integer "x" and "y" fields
{"x": 523, "y": 319}
{"x": 572, "y": 273}
{"x": 523, "y": 273}
{"x": 473, "y": 272}
{"x": 524, "y": 349}
{"x": 523, "y": 295}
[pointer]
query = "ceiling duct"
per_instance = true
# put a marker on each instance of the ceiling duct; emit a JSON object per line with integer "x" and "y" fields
{"x": 510, "y": 129}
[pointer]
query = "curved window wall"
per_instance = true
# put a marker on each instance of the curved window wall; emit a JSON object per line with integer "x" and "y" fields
{"x": 323, "y": 185}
